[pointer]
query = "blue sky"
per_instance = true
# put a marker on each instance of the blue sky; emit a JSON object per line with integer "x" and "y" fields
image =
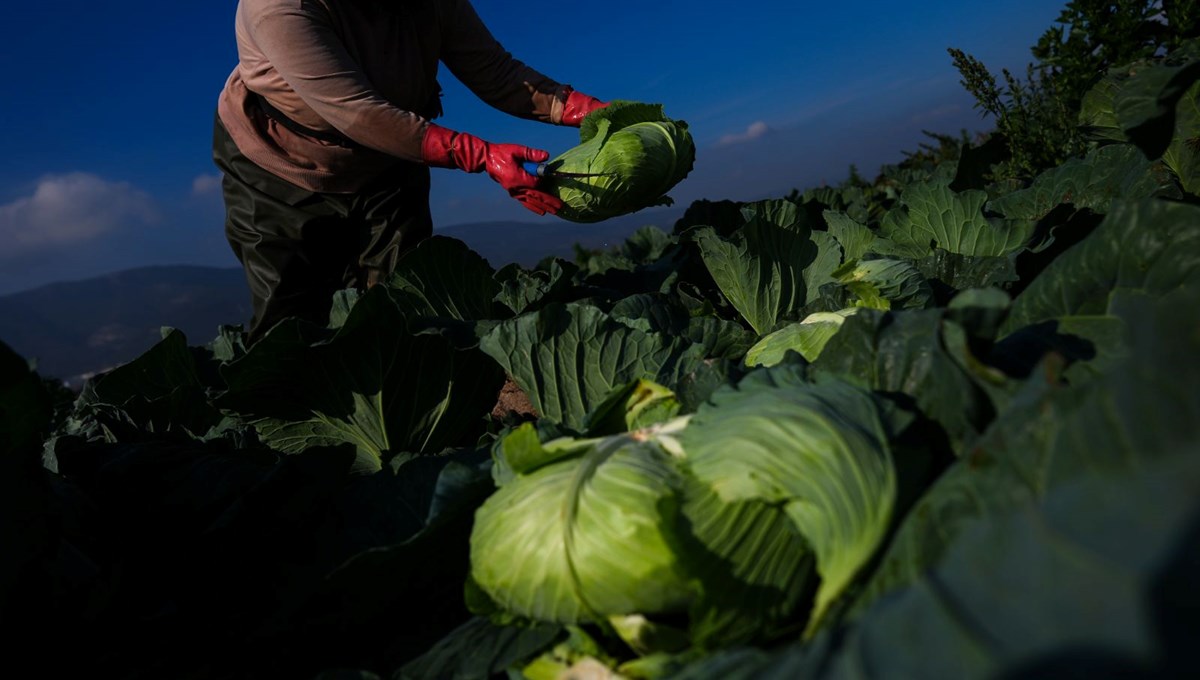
{"x": 108, "y": 107}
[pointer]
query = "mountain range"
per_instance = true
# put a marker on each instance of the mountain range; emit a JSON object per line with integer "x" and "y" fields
{"x": 528, "y": 242}
{"x": 74, "y": 329}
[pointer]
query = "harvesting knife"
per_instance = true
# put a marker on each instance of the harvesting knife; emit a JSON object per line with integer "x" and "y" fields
{"x": 544, "y": 170}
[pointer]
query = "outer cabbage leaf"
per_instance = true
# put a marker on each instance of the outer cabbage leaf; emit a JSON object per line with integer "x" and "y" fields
{"x": 480, "y": 649}
{"x": 1147, "y": 248}
{"x": 807, "y": 338}
{"x": 443, "y": 279}
{"x": 568, "y": 359}
{"x": 1139, "y": 102}
{"x": 651, "y": 313}
{"x": 163, "y": 392}
{"x": 772, "y": 266}
{"x": 934, "y": 215}
{"x": 1079, "y": 581}
{"x": 584, "y": 538}
{"x": 409, "y": 527}
{"x": 752, "y": 566}
{"x": 818, "y": 453}
{"x": 1065, "y": 543}
{"x": 638, "y": 405}
{"x": 641, "y": 153}
{"x": 1095, "y": 579}
{"x": 524, "y": 290}
{"x": 922, "y": 353}
{"x": 1050, "y": 433}
{"x": 961, "y": 272}
{"x": 648, "y": 244}
{"x": 885, "y": 284}
{"x": 1145, "y": 104}
{"x": 1096, "y": 115}
{"x": 856, "y": 239}
{"x": 369, "y": 383}
{"x": 1183, "y": 156}
{"x": 1110, "y": 172}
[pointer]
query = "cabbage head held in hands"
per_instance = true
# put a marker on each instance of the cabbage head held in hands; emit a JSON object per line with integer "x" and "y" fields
{"x": 637, "y": 155}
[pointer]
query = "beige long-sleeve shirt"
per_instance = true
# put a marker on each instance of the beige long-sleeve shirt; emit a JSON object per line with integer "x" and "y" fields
{"x": 365, "y": 70}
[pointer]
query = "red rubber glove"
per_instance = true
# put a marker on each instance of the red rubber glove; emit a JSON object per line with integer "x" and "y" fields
{"x": 444, "y": 148}
{"x": 579, "y": 105}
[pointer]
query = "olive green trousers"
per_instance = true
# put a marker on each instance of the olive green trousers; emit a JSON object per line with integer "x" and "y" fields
{"x": 299, "y": 247}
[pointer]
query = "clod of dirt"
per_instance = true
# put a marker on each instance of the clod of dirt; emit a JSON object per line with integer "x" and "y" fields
{"x": 512, "y": 402}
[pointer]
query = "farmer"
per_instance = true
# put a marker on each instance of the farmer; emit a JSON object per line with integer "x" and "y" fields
{"x": 324, "y": 137}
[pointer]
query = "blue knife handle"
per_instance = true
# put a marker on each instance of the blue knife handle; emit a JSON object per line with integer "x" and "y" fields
{"x": 535, "y": 169}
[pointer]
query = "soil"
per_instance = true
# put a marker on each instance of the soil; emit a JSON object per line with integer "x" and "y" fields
{"x": 512, "y": 402}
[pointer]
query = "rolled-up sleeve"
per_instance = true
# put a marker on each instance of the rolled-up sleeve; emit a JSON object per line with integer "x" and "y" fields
{"x": 477, "y": 59}
{"x": 307, "y": 53}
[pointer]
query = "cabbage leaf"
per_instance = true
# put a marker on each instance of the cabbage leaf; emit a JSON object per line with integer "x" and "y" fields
{"x": 637, "y": 154}
{"x": 584, "y": 537}
{"x": 818, "y": 453}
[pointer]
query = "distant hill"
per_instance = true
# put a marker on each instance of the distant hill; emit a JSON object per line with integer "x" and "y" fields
{"x": 528, "y": 242}
{"x": 75, "y": 329}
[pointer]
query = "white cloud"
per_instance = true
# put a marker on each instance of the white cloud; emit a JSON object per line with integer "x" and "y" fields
{"x": 71, "y": 209}
{"x": 756, "y": 130}
{"x": 206, "y": 184}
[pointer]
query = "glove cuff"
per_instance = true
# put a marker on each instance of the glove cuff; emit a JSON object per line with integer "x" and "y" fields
{"x": 577, "y": 106}
{"x": 444, "y": 148}
{"x": 437, "y": 147}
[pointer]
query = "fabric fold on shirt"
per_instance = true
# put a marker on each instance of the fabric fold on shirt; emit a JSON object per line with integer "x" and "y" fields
{"x": 365, "y": 72}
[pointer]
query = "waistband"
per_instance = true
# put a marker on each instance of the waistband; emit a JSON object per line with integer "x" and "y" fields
{"x": 323, "y": 135}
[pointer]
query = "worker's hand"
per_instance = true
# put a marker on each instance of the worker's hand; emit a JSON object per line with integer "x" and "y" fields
{"x": 445, "y": 148}
{"x": 579, "y": 105}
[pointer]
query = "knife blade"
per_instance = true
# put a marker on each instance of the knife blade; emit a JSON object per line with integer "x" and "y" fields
{"x": 544, "y": 170}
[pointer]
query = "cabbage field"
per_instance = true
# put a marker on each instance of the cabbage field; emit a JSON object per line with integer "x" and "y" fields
{"x": 944, "y": 423}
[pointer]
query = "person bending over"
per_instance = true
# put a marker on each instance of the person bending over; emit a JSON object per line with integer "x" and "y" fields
{"x": 324, "y": 138}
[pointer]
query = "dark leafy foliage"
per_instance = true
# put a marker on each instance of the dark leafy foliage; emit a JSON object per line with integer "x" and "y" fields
{"x": 1007, "y": 321}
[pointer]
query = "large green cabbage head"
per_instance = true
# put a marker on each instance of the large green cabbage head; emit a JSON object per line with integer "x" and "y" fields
{"x": 642, "y": 153}
{"x": 723, "y": 515}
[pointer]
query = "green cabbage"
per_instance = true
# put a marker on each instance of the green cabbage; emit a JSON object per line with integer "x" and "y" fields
{"x": 642, "y": 153}
{"x": 582, "y": 530}
{"x": 724, "y": 515}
